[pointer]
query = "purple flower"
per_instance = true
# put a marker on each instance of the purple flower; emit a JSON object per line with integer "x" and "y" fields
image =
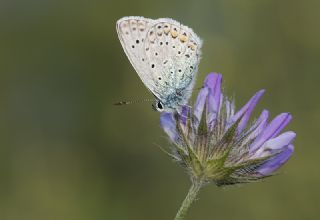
{"x": 216, "y": 144}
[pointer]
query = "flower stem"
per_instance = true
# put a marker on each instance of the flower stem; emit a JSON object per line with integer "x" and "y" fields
{"x": 191, "y": 196}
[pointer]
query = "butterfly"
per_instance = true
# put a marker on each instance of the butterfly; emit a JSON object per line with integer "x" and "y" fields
{"x": 165, "y": 54}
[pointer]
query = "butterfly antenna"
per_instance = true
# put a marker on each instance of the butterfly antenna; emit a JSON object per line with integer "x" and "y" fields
{"x": 132, "y": 102}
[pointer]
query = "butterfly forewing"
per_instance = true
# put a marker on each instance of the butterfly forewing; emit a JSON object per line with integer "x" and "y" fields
{"x": 132, "y": 33}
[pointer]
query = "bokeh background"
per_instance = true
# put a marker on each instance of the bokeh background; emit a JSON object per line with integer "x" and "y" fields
{"x": 67, "y": 153}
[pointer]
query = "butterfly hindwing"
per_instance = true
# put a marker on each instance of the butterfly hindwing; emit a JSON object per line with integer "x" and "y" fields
{"x": 173, "y": 51}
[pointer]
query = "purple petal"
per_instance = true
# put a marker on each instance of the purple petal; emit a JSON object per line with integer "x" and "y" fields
{"x": 274, "y": 144}
{"x": 221, "y": 102}
{"x": 183, "y": 115}
{"x": 213, "y": 83}
{"x": 199, "y": 105}
{"x": 272, "y": 130}
{"x": 275, "y": 163}
{"x": 229, "y": 109}
{"x": 168, "y": 124}
{"x": 257, "y": 127}
{"x": 246, "y": 111}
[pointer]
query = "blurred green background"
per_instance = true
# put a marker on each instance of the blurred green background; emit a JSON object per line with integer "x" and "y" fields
{"x": 67, "y": 153}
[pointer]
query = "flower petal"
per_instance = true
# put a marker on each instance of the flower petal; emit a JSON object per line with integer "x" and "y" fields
{"x": 229, "y": 109}
{"x": 168, "y": 124}
{"x": 257, "y": 127}
{"x": 272, "y": 130}
{"x": 199, "y": 105}
{"x": 183, "y": 115}
{"x": 213, "y": 83}
{"x": 274, "y": 144}
{"x": 275, "y": 163}
{"x": 245, "y": 111}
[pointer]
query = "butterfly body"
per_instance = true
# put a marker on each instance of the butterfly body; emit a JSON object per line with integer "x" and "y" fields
{"x": 165, "y": 54}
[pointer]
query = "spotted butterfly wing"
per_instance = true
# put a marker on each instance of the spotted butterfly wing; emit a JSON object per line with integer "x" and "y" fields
{"x": 165, "y": 54}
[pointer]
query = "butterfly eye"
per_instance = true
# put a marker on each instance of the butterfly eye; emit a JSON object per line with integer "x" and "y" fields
{"x": 158, "y": 106}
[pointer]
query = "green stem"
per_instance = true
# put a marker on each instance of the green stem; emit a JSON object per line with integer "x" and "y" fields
{"x": 191, "y": 196}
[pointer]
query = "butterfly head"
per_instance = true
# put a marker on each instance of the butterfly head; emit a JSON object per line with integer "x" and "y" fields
{"x": 160, "y": 106}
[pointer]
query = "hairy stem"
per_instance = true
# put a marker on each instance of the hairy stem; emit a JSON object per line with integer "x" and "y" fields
{"x": 191, "y": 196}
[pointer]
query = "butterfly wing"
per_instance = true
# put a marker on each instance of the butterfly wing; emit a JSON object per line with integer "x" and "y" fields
{"x": 164, "y": 53}
{"x": 132, "y": 32}
{"x": 173, "y": 52}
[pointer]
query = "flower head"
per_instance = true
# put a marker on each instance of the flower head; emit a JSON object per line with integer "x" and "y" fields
{"x": 216, "y": 144}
